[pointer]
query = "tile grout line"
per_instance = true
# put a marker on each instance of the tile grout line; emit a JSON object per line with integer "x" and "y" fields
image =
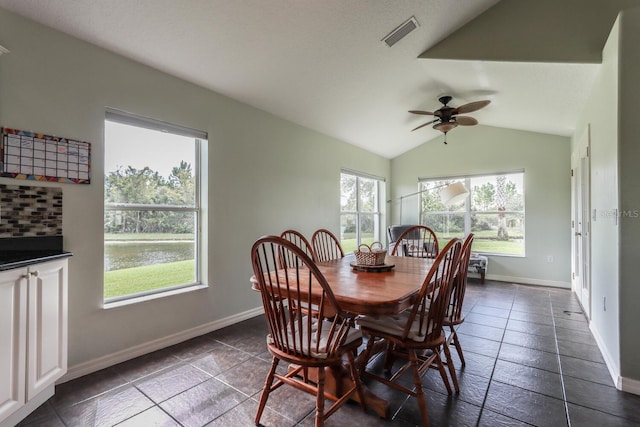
{"x": 495, "y": 363}
{"x": 555, "y": 339}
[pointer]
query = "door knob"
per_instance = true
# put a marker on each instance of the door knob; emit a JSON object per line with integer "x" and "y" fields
{"x": 578, "y": 234}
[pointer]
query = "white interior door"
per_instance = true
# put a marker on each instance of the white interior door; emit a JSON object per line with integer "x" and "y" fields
{"x": 581, "y": 223}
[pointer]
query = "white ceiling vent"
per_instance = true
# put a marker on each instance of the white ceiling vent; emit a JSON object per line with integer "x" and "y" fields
{"x": 399, "y": 33}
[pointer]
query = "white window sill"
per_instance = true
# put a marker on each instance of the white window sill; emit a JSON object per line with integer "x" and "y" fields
{"x": 153, "y": 296}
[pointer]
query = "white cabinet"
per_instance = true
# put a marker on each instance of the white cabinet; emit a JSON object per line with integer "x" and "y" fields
{"x": 13, "y": 340}
{"x": 33, "y": 335}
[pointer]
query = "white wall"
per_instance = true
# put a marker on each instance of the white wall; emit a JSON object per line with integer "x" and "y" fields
{"x": 264, "y": 175}
{"x": 484, "y": 149}
{"x": 615, "y": 189}
{"x": 629, "y": 157}
{"x": 601, "y": 117}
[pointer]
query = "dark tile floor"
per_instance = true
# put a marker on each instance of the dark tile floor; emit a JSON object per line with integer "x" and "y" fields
{"x": 531, "y": 360}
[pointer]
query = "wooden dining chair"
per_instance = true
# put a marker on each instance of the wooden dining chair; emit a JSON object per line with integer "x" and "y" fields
{"x": 454, "y": 315}
{"x": 326, "y": 246}
{"x": 300, "y": 241}
{"x": 319, "y": 341}
{"x": 416, "y": 334}
{"x": 418, "y": 241}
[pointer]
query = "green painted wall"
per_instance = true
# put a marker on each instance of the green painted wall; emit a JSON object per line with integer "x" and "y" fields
{"x": 600, "y": 119}
{"x": 264, "y": 175}
{"x": 629, "y": 157}
{"x": 484, "y": 149}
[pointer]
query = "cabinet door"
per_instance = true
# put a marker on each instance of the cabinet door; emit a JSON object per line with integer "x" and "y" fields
{"x": 47, "y": 326}
{"x": 13, "y": 340}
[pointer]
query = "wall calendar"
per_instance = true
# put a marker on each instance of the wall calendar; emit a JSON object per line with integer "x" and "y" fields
{"x": 39, "y": 157}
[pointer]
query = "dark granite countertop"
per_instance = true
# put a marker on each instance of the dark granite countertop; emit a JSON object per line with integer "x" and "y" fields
{"x": 17, "y": 252}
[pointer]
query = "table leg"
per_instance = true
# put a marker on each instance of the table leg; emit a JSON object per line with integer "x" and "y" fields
{"x": 336, "y": 380}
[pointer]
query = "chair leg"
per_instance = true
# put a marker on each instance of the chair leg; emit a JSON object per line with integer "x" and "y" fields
{"x": 266, "y": 390}
{"x": 389, "y": 357}
{"x": 320, "y": 399}
{"x": 356, "y": 379}
{"x": 456, "y": 343}
{"x": 417, "y": 381}
{"x": 364, "y": 357}
{"x": 438, "y": 361}
{"x": 452, "y": 369}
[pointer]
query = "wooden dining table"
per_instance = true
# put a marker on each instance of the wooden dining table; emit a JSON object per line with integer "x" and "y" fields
{"x": 373, "y": 291}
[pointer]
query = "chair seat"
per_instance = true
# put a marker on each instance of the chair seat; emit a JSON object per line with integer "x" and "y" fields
{"x": 394, "y": 325}
{"x": 312, "y": 348}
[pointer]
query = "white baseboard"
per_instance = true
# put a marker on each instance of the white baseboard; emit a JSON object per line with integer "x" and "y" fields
{"x": 612, "y": 366}
{"x": 525, "y": 280}
{"x": 147, "y": 347}
{"x": 630, "y": 385}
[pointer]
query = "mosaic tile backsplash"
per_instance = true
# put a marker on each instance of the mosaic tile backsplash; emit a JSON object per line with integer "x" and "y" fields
{"x": 30, "y": 211}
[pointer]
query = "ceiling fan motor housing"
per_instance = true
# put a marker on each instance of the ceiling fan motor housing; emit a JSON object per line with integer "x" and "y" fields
{"x": 445, "y": 99}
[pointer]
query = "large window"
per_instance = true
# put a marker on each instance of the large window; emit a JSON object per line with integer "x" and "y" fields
{"x": 360, "y": 206}
{"x": 151, "y": 206}
{"x": 493, "y": 211}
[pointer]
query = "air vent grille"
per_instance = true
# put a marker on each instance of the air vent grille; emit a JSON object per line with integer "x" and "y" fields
{"x": 401, "y": 32}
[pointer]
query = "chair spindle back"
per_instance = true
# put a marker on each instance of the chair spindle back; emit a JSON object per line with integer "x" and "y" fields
{"x": 292, "y": 333}
{"x": 427, "y": 315}
{"x": 418, "y": 241}
{"x": 326, "y": 246}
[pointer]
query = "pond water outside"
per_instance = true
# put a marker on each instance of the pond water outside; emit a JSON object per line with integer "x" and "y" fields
{"x": 119, "y": 255}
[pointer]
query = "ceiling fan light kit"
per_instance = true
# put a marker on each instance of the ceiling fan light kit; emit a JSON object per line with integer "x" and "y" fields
{"x": 447, "y": 118}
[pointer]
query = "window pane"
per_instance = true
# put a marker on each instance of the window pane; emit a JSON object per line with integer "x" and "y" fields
{"x": 368, "y": 195}
{"x": 147, "y": 250}
{"x": 493, "y": 211}
{"x": 145, "y": 166}
{"x": 368, "y": 228}
{"x": 151, "y": 210}
{"x": 497, "y": 192}
{"x": 446, "y": 226}
{"x": 348, "y": 228}
{"x": 348, "y": 193}
{"x": 498, "y": 233}
{"x": 360, "y": 206}
{"x": 432, "y": 200}
{"x": 139, "y": 224}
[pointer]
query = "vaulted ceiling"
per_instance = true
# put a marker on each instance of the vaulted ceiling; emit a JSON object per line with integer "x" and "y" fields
{"x": 323, "y": 65}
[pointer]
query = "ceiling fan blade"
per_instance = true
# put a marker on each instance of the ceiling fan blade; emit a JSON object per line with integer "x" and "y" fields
{"x": 466, "y": 120}
{"x": 470, "y": 107}
{"x": 423, "y": 125}
{"x": 424, "y": 113}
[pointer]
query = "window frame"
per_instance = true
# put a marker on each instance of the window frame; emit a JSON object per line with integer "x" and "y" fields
{"x": 358, "y": 212}
{"x": 200, "y": 137}
{"x": 468, "y": 212}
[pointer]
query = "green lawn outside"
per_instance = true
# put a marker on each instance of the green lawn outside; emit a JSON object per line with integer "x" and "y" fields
{"x": 349, "y": 241}
{"x": 149, "y": 277}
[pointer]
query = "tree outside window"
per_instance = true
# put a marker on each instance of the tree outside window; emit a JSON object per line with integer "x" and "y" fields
{"x": 359, "y": 210}
{"x": 493, "y": 211}
{"x": 151, "y": 210}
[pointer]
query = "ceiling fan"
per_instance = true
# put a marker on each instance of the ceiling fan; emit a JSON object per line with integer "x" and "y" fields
{"x": 448, "y": 118}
